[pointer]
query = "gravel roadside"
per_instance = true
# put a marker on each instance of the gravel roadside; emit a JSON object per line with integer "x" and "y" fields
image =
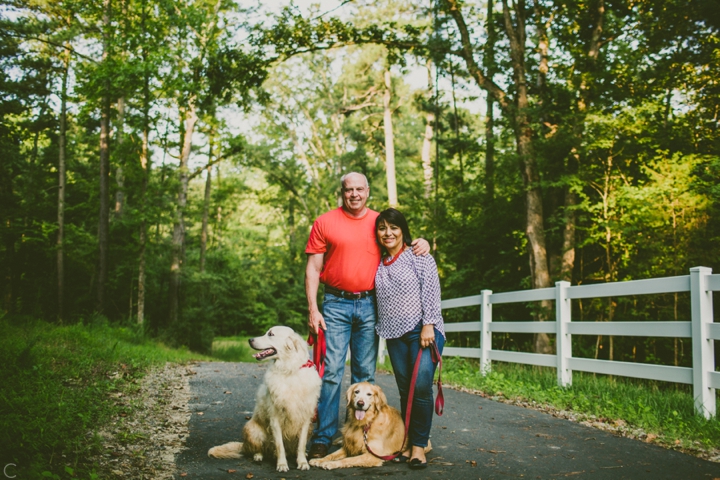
{"x": 143, "y": 443}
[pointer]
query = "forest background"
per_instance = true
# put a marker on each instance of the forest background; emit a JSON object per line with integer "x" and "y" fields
{"x": 163, "y": 161}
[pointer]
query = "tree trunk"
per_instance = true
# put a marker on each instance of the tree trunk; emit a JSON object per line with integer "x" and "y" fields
{"x": 145, "y": 164}
{"x": 119, "y": 174}
{"x": 535, "y": 220}
{"x": 178, "y": 238}
{"x": 206, "y": 209}
{"x": 490, "y": 68}
{"x": 103, "y": 221}
{"x": 61, "y": 188}
{"x": 389, "y": 144}
{"x": 456, "y": 129}
{"x": 425, "y": 154}
{"x": 568, "y": 248}
{"x": 543, "y": 46}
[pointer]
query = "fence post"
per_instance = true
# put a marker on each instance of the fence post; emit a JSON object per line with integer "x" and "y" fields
{"x": 485, "y": 335}
{"x": 703, "y": 347}
{"x": 563, "y": 340}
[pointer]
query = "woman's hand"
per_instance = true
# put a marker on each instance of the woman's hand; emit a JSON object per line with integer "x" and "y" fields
{"x": 427, "y": 335}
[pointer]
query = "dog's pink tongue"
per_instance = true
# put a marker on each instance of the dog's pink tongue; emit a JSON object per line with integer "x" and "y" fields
{"x": 359, "y": 414}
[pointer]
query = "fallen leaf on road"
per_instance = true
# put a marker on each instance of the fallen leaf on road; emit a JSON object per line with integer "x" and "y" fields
{"x": 249, "y": 475}
{"x": 232, "y": 471}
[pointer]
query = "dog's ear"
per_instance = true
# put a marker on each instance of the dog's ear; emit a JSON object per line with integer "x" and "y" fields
{"x": 349, "y": 393}
{"x": 381, "y": 399}
{"x": 295, "y": 343}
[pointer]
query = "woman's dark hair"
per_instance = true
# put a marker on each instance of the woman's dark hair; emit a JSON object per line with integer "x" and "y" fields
{"x": 393, "y": 217}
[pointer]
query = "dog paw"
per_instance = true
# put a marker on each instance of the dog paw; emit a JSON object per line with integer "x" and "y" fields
{"x": 330, "y": 465}
{"x": 303, "y": 466}
{"x": 282, "y": 467}
{"x": 316, "y": 462}
{"x": 258, "y": 457}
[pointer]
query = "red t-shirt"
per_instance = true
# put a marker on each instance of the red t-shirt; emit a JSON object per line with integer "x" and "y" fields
{"x": 351, "y": 253}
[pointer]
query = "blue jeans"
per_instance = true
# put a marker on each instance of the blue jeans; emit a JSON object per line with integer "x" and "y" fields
{"x": 403, "y": 352}
{"x": 349, "y": 323}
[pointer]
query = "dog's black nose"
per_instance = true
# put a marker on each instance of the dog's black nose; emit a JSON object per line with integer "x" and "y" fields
{"x": 360, "y": 403}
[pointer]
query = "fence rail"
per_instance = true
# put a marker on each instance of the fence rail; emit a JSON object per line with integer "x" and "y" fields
{"x": 701, "y": 283}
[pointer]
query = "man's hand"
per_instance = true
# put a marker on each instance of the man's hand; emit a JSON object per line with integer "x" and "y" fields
{"x": 316, "y": 321}
{"x": 427, "y": 335}
{"x": 420, "y": 247}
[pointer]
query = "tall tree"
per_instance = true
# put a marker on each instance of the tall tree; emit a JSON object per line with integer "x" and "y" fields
{"x": 104, "y": 203}
{"x": 491, "y": 68}
{"x": 206, "y": 205}
{"x": 62, "y": 180}
{"x": 426, "y": 152}
{"x": 517, "y": 110}
{"x": 144, "y": 162}
{"x": 389, "y": 141}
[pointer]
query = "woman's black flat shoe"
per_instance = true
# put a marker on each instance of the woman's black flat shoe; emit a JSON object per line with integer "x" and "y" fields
{"x": 400, "y": 459}
{"x": 416, "y": 464}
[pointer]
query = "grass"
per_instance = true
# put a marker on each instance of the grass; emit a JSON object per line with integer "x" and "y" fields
{"x": 655, "y": 411}
{"x": 232, "y": 349}
{"x": 56, "y": 390}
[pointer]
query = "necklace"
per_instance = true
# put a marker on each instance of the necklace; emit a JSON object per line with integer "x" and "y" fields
{"x": 389, "y": 262}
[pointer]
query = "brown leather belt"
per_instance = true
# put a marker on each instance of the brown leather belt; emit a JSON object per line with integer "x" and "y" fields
{"x": 348, "y": 295}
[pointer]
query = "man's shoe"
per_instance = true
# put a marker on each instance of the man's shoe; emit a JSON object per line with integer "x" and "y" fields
{"x": 318, "y": 450}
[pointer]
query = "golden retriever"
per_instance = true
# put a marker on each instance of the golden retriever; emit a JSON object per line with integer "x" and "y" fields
{"x": 285, "y": 404}
{"x": 367, "y": 405}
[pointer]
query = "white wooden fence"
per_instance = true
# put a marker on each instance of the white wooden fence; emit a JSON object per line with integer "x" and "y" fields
{"x": 700, "y": 283}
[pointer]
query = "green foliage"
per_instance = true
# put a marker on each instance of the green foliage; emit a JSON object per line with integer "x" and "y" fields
{"x": 57, "y": 382}
{"x": 653, "y": 407}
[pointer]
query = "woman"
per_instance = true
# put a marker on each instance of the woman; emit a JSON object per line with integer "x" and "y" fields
{"x": 408, "y": 298}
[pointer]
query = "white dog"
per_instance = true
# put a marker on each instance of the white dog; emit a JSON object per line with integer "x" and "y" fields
{"x": 285, "y": 404}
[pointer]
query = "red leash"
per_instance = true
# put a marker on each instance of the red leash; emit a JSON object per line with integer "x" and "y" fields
{"x": 317, "y": 341}
{"x": 439, "y": 401}
{"x": 319, "y": 350}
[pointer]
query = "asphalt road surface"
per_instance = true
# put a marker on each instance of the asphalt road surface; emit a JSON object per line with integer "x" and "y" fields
{"x": 476, "y": 438}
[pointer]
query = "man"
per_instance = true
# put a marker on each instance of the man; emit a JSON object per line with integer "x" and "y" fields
{"x": 343, "y": 255}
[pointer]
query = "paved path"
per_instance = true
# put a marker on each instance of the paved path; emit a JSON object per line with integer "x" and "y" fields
{"x": 476, "y": 438}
